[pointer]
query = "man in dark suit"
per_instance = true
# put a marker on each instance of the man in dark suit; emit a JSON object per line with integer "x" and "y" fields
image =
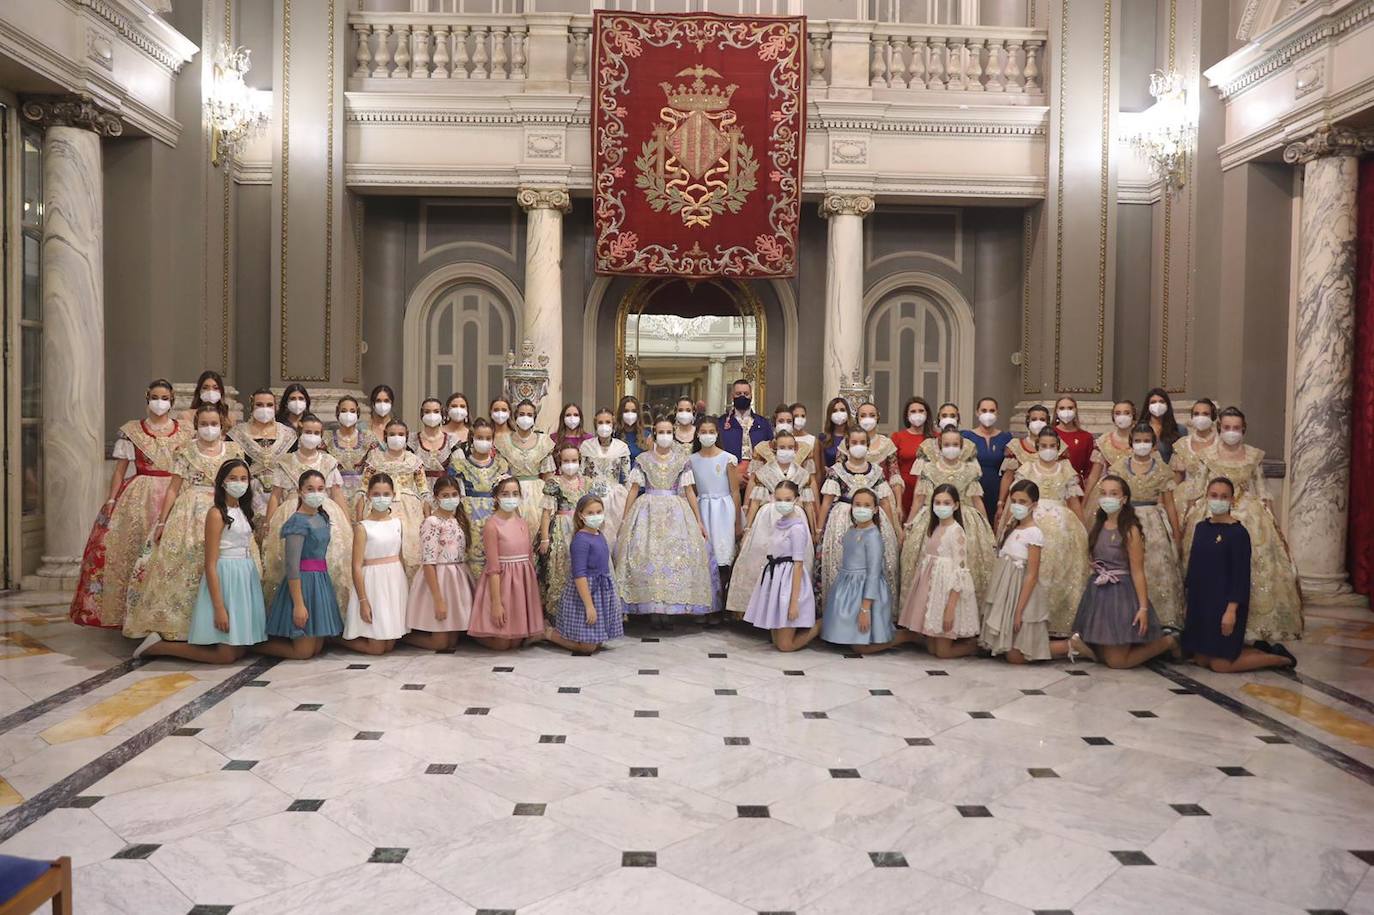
{"x": 741, "y": 429}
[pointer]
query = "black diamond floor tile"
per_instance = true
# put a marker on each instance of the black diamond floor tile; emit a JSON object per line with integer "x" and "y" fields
{"x": 239, "y": 765}
{"x": 1143, "y": 713}
{"x": 135, "y": 852}
{"x": 529, "y": 810}
{"x": 794, "y": 673}
{"x": 441, "y": 768}
{"x": 643, "y": 772}
{"x": 980, "y": 714}
{"x": 814, "y": 716}
{"x": 1043, "y": 773}
{"x": 639, "y": 859}
{"x": 1190, "y": 810}
{"x": 1133, "y": 858}
{"x": 1367, "y": 856}
{"x": 84, "y": 800}
{"x": 203, "y": 909}
{"x": 358, "y": 666}
{"x": 1272, "y": 738}
{"x": 309, "y": 707}
{"x": 503, "y": 670}
{"x": 305, "y": 805}
{"x": 1077, "y": 673}
{"x": 727, "y": 692}
{"x": 649, "y": 672}
{"x": 553, "y": 738}
{"x": 937, "y": 673}
{"x": 737, "y": 741}
{"x": 646, "y": 713}
{"x": 1032, "y": 692}
{"x": 1236, "y": 771}
{"x": 412, "y": 686}
{"x": 844, "y": 773}
{"x": 257, "y": 683}
{"x": 570, "y": 689}
{"x": 368, "y": 735}
{"x": 752, "y": 811}
{"x": 919, "y": 742}
{"x": 1097, "y": 742}
{"x": 716, "y": 655}
{"x": 887, "y": 859}
{"x": 649, "y": 639}
{"x": 388, "y": 855}
{"x": 476, "y": 710}
{"x": 186, "y": 732}
{"x": 880, "y": 692}
{"x": 973, "y": 810}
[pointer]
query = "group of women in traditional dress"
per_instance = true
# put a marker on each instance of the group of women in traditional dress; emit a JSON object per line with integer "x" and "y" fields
{"x": 283, "y": 533}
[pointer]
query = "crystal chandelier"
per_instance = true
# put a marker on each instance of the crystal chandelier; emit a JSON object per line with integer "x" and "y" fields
{"x": 673, "y": 327}
{"x": 1166, "y": 130}
{"x": 235, "y": 111}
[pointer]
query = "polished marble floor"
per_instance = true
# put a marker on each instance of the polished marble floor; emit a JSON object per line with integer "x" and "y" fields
{"x": 696, "y": 771}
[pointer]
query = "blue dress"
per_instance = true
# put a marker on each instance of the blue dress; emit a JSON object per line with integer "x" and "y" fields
{"x": 1218, "y": 573}
{"x": 240, "y": 588}
{"x": 717, "y": 507}
{"x": 632, "y": 439}
{"x": 990, "y": 458}
{"x": 306, "y": 540}
{"x": 1166, "y": 449}
{"x": 591, "y": 559}
{"x": 861, "y": 577}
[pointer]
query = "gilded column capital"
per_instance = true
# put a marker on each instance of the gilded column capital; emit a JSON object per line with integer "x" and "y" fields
{"x": 846, "y": 205}
{"x": 544, "y": 198}
{"x": 1328, "y": 141}
{"x": 71, "y": 111}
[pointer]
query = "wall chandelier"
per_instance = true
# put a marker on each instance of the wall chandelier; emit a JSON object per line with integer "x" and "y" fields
{"x": 1165, "y": 131}
{"x": 235, "y": 111}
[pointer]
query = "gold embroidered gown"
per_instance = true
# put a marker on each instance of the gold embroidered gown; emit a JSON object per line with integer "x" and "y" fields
{"x": 841, "y": 482}
{"x": 115, "y": 544}
{"x": 527, "y": 461}
{"x": 1163, "y": 576}
{"x": 350, "y": 458}
{"x": 980, "y": 544}
{"x": 662, "y": 563}
{"x": 434, "y": 460}
{"x": 163, "y": 593}
{"x": 408, "y": 499}
{"x": 1187, "y": 460}
{"x": 339, "y": 558}
{"x": 262, "y": 455}
{"x": 1275, "y": 602}
{"x": 477, "y": 481}
{"x": 609, "y": 468}
{"x": 560, "y": 497}
{"x": 1108, "y": 451}
{"x": 761, "y": 533}
{"x": 1064, "y": 562}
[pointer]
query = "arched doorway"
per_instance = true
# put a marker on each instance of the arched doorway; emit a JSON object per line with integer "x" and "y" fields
{"x": 919, "y": 340}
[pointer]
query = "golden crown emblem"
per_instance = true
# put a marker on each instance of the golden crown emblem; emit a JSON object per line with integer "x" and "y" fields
{"x": 697, "y": 97}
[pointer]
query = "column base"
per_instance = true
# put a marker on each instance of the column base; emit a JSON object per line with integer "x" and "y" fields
{"x": 1330, "y": 590}
{"x": 56, "y": 573}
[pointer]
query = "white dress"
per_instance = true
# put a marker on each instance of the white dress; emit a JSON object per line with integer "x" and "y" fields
{"x": 716, "y": 503}
{"x": 385, "y": 580}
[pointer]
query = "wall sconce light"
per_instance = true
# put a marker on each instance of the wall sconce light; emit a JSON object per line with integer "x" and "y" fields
{"x": 235, "y": 111}
{"x": 1166, "y": 130}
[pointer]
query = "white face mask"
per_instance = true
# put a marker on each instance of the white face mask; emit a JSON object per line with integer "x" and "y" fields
{"x": 159, "y": 406}
{"x": 949, "y": 422}
{"x": 1202, "y": 422}
{"x": 1232, "y": 436}
{"x": 210, "y": 396}
{"x": 943, "y": 511}
{"x": 458, "y": 414}
{"x": 839, "y": 417}
{"x": 916, "y": 418}
{"x": 861, "y": 514}
{"x": 382, "y": 408}
{"x": 572, "y": 421}
{"x": 263, "y": 414}
{"x": 381, "y": 503}
{"x": 509, "y": 503}
{"x": 310, "y": 440}
{"x": 481, "y": 445}
{"x": 313, "y": 499}
{"x": 396, "y": 442}
{"x": 782, "y": 427}
{"x": 1159, "y": 408}
{"x": 1122, "y": 420}
{"x": 1019, "y": 511}
{"x": 449, "y": 503}
{"x": 433, "y": 420}
{"x": 236, "y": 488}
{"x": 664, "y": 439}
{"x": 348, "y": 419}
{"x": 524, "y": 423}
{"x": 1142, "y": 449}
{"x": 1035, "y": 426}
{"x": 798, "y": 423}
{"x": 1109, "y": 504}
{"x": 868, "y": 423}
{"x": 208, "y": 433}
{"x": 952, "y": 452}
{"x": 1066, "y": 416}
{"x": 786, "y": 455}
{"x": 988, "y": 419}
{"x": 571, "y": 468}
{"x": 629, "y": 417}
{"x": 604, "y": 430}
{"x": 858, "y": 452}
{"x": 685, "y": 417}
{"x": 1049, "y": 455}
{"x": 1218, "y": 506}
{"x": 295, "y": 407}
{"x": 594, "y": 521}
{"x": 708, "y": 439}
{"x": 499, "y": 416}
{"x": 785, "y": 508}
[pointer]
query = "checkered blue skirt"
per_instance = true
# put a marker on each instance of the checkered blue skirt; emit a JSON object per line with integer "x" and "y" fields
{"x": 572, "y": 615}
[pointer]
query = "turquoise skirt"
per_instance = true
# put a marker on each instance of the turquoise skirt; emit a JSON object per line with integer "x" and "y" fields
{"x": 240, "y": 587}
{"x": 317, "y": 592}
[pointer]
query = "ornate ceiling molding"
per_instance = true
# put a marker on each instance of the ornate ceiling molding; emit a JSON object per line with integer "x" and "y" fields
{"x": 171, "y": 49}
{"x": 1322, "y": 31}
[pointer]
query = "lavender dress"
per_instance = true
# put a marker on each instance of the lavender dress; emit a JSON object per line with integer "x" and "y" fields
{"x": 773, "y": 591}
{"x": 591, "y": 559}
{"x": 1108, "y": 606}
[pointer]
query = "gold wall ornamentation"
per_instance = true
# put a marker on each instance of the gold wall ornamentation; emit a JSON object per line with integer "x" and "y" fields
{"x": 285, "y": 128}
{"x": 359, "y": 215}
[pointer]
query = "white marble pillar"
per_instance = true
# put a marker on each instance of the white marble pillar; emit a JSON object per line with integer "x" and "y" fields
{"x": 1319, "y": 454}
{"x": 544, "y": 287}
{"x": 715, "y": 384}
{"x": 73, "y": 277}
{"x": 844, "y": 287}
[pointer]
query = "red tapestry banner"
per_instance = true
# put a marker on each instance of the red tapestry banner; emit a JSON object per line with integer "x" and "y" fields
{"x": 698, "y": 128}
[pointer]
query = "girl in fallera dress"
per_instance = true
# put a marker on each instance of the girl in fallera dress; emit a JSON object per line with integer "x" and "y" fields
{"x": 783, "y": 601}
{"x": 1114, "y": 445}
{"x": 849, "y": 475}
{"x": 500, "y": 413}
{"x": 764, "y": 515}
{"x": 1015, "y": 618}
{"x": 606, "y": 463}
{"x": 305, "y": 610}
{"x": 507, "y": 611}
{"x": 908, "y": 441}
{"x": 1022, "y": 449}
{"x": 1058, "y": 514}
{"x": 478, "y": 470}
{"x": 376, "y": 617}
{"x": 950, "y": 469}
{"x": 947, "y": 417}
{"x": 858, "y": 603}
{"x": 1275, "y": 611}
{"x": 295, "y": 403}
{"x": 881, "y": 451}
{"x": 991, "y": 443}
{"x": 1076, "y": 439}
{"x": 440, "y": 604}
{"x": 834, "y": 434}
{"x": 282, "y": 504}
{"x": 1115, "y": 619}
{"x": 210, "y": 392}
{"x": 572, "y": 430}
{"x": 589, "y": 613}
{"x": 1152, "y": 497}
{"x": 1159, "y": 413}
{"x": 410, "y": 487}
{"x": 685, "y": 424}
{"x": 1219, "y": 591}
{"x": 663, "y": 567}
{"x": 229, "y": 614}
{"x": 562, "y": 492}
{"x": 383, "y": 401}
{"x": 716, "y": 474}
{"x": 629, "y": 425}
{"x": 265, "y": 441}
{"x": 807, "y": 446}
{"x": 124, "y": 521}
{"x": 784, "y": 423}
{"x": 458, "y": 416}
{"x": 162, "y": 592}
{"x": 1187, "y": 460}
{"x": 529, "y": 453}
{"x": 431, "y": 444}
{"x": 941, "y": 607}
{"x": 349, "y": 445}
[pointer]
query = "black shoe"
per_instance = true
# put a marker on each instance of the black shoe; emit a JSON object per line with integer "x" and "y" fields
{"x": 1264, "y": 646}
{"x": 1284, "y": 653}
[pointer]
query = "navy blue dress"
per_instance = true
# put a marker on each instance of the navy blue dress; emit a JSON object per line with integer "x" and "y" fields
{"x": 305, "y": 539}
{"x": 632, "y": 439}
{"x": 990, "y": 458}
{"x": 1218, "y": 573}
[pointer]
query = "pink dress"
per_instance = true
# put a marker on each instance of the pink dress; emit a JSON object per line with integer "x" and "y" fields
{"x": 443, "y": 546}
{"x": 507, "y": 545}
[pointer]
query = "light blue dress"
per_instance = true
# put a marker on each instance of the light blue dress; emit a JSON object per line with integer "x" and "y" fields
{"x": 240, "y": 587}
{"x": 860, "y": 578}
{"x": 714, "y": 501}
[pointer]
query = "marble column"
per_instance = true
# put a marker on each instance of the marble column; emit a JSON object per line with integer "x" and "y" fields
{"x": 715, "y": 384}
{"x": 1319, "y": 455}
{"x": 544, "y": 287}
{"x": 73, "y": 277}
{"x": 844, "y": 287}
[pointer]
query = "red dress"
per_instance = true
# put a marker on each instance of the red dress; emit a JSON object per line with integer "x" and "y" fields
{"x": 1080, "y": 444}
{"x": 908, "y": 442}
